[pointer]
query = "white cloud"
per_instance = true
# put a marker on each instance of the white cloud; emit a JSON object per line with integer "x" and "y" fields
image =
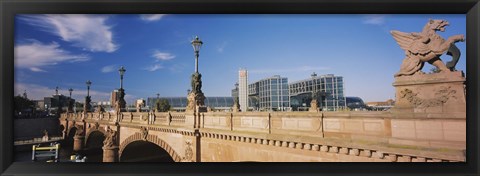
{"x": 374, "y": 19}
{"x": 35, "y": 69}
{"x": 35, "y": 55}
{"x": 154, "y": 67}
{"x": 222, "y": 47}
{"x": 284, "y": 70}
{"x": 89, "y": 32}
{"x": 151, "y": 17}
{"x": 162, "y": 55}
{"x": 108, "y": 68}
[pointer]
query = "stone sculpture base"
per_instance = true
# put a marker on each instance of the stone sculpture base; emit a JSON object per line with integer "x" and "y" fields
{"x": 196, "y": 102}
{"x": 313, "y": 106}
{"x": 110, "y": 154}
{"x": 442, "y": 92}
{"x": 78, "y": 143}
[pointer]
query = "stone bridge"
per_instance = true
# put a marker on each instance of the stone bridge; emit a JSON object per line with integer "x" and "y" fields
{"x": 269, "y": 136}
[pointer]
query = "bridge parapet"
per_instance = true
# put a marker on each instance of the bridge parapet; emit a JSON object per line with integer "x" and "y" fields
{"x": 379, "y": 136}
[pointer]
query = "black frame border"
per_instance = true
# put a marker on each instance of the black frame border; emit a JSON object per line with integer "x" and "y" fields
{"x": 8, "y": 9}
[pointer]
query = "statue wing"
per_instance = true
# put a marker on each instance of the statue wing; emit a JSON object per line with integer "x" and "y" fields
{"x": 405, "y": 40}
{"x": 414, "y": 43}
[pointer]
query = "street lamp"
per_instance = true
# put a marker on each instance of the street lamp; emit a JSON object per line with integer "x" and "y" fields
{"x": 314, "y": 86}
{"x": 197, "y": 43}
{"x": 70, "y": 90}
{"x": 70, "y": 100}
{"x": 122, "y": 72}
{"x": 88, "y": 87}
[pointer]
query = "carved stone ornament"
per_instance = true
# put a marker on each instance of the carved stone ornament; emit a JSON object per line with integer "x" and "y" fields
{"x": 427, "y": 46}
{"x": 110, "y": 138}
{"x": 441, "y": 96}
{"x": 95, "y": 126}
{"x": 188, "y": 151}
{"x": 144, "y": 132}
{"x": 79, "y": 131}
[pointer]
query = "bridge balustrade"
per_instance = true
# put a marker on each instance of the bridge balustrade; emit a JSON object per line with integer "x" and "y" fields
{"x": 356, "y": 133}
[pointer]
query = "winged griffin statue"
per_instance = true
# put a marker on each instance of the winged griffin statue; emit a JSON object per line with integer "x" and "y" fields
{"x": 427, "y": 46}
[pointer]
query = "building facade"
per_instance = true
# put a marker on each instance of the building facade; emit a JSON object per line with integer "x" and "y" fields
{"x": 235, "y": 91}
{"x": 55, "y": 102}
{"x": 271, "y": 94}
{"x": 114, "y": 96}
{"x": 243, "y": 89}
{"x": 356, "y": 104}
{"x": 179, "y": 103}
{"x": 329, "y": 90}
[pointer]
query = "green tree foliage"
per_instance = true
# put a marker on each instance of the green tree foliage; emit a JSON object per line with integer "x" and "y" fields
{"x": 162, "y": 105}
{"x": 21, "y": 103}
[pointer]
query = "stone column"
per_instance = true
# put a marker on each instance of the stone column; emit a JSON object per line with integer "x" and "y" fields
{"x": 110, "y": 153}
{"x": 78, "y": 143}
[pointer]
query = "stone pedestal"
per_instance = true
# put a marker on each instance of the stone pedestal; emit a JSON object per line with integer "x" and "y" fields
{"x": 196, "y": 102}
{"x": 313, "y": 106}
{"x": 430, "y": 93}
{"x": 110, "y": 154}
{"x": 78, "y": 143}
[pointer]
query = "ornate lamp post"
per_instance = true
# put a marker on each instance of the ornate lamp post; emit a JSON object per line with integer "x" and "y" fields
{"x": 313, "y": 103}
{"x": 314, "y": 86}
{"x": 89, "y": 83}
{"x": 120, "y": 104}
{"x": 197, "y": 43}
{"x": 122, "y": 72}
{"x": 70, "y": 104}
{"x": 87, "y": 106}
{"x": 195, "y": 96}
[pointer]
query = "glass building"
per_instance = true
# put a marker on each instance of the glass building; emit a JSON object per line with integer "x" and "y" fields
{"x": 329, "y": 88}
{"x": 179, "y": 103}
{"x": 272, "y": 94}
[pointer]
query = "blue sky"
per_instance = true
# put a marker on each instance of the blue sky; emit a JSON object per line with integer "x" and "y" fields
{"x": 68, "y": 50}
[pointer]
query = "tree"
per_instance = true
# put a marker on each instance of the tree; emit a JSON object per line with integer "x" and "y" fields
{"x": 162, "y": 105}
{"x": 22, "y": 103}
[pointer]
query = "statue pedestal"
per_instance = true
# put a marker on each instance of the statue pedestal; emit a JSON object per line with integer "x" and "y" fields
{"x": 313, "y": 106}
{"x": 196, "y": 102}
{"x": 110, "y": 154}
{"x": 430, "y": 93}
{"x": 235, "y": 109}
{"x": 78, "y": 143}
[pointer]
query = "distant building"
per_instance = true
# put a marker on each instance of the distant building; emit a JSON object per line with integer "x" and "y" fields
{"x": 355, "y": 104}
{"x": 39, "y": 104}
{"x": 235, "y": 91}
{"x": 179, "y": 103}
{"x": 107, "y": 105}
{"x": 329, "y": 88}
{"x": 56, "y": 101}
{"x": 243, "y": 89}
{"x": 114, "y": 97}
{"x": 381, "y": 105}
{"x": 272, "y": 93}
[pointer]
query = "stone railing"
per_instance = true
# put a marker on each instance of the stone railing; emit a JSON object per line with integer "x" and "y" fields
{"x": 437, "y": 131}
{"x": 385, "y": 135}
{"x": 150, "y": 118}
